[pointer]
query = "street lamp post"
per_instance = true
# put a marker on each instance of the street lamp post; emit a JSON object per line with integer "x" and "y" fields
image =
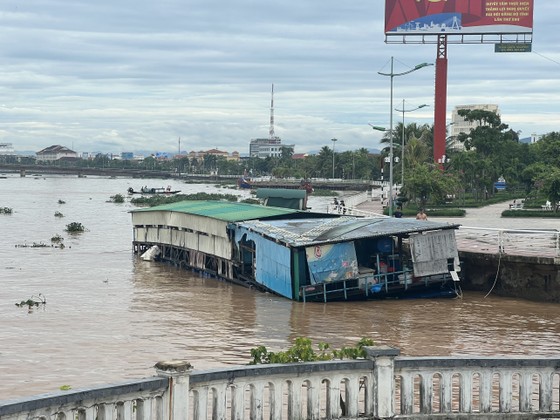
{"x": 392, "y": 76}
{"x": 402, "y": 139}
{"x": 383, "y": 129}
{"x": 333, "y": 142}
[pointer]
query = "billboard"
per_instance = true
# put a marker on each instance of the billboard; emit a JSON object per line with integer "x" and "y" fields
{"x": 448, "y": 17}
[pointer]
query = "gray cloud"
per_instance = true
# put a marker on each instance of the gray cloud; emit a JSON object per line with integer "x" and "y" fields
{"x": 123, "y": 75}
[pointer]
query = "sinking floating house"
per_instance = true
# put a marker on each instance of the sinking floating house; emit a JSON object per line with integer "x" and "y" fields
{"x": 301, "y": 255}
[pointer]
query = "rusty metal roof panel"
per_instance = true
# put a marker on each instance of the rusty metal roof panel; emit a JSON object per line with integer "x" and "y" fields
{"x": 306, "y": 232}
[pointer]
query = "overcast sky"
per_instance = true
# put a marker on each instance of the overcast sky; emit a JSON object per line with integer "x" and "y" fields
{"x": 125, "y": 75}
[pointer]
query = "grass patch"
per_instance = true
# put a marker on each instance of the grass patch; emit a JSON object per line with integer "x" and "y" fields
{"x": 160, "y": 199}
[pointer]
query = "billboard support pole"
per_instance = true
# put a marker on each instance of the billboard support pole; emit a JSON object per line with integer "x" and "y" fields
{"x": 440, "y": 104}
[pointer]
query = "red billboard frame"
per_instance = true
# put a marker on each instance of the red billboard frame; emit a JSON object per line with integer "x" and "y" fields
{"x": 458, "y": 17}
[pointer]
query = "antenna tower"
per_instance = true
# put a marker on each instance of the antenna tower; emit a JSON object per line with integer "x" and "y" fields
{"x": 271, "y": 129}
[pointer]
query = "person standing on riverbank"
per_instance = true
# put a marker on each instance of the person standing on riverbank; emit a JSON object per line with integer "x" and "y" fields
{"x": 421, "y": 215}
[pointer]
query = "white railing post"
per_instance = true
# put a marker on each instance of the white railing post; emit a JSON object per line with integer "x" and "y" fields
{"x": 176, "y": 397}
{"x": 383, "y": 379}
{"x": 501, "y": 248}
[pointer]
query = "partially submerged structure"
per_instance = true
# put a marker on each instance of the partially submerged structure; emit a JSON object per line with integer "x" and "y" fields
{"x": 283, "y": 197}
{"x": 301, "y": 255}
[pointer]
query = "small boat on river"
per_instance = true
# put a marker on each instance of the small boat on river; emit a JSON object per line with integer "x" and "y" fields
{"x": 301, "y": 255}
{"x": 244, "y": 183}
{"x": 153, "y": 191}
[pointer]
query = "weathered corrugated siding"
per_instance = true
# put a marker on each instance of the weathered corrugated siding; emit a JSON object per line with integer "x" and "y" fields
{"x": 273, "y": 263}
{"x": 183, "y": 230}
{"x": 432, "y": 250}
{"x": 182, "y": 221}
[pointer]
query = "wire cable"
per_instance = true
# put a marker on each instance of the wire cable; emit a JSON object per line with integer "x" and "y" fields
{"x": 496, "y": 278}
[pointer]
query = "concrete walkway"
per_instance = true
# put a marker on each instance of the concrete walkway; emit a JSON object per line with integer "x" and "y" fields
{"x": 486, "y": 217}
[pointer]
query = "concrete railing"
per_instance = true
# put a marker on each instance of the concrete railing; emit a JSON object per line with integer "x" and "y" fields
{"x": 382, "y": 386}
{"x": 540, "y": 243}
{"x": 351, "y": 211}
{"x": 350, "y": 205}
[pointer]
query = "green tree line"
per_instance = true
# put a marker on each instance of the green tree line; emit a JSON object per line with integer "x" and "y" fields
{"x": 489, "y": 151}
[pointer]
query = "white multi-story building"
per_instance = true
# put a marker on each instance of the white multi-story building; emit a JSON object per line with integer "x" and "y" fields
{"x": 272, "y": 147}
{"x": 459, "y": 125}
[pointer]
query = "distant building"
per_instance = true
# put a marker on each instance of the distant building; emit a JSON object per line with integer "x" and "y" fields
{"x": 459, "y": 125}
{"x": 54, "y": 153}
{"x": 7, "y": 149}
{"x": 271, "y": 147}
{"x": 530, "y": 140}
{"x": 214, "y": 152}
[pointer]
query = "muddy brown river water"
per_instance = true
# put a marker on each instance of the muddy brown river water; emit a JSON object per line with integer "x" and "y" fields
{"x": 110, "y": 317}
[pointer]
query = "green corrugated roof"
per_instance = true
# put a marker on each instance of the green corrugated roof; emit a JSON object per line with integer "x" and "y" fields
{"x": 221, "y": 210}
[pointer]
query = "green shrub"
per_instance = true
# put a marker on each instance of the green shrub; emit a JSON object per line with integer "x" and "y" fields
{"x": 437, "y": 212}
{"x": 531, "y": 213}
{"x": 57, "y": 239}
{"x": 58, "y": 214}
{"x": 75, "y": 227}
{"x": 250, "y": 201}
{"x": 5, "y": 210}
{"x": 117, "y": 198}
{"x": 157, "y": 200}
{"x": 302, "y": 351}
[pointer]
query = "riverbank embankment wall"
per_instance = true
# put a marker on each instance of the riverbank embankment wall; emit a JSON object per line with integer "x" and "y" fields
{"x": 527, "y": 277}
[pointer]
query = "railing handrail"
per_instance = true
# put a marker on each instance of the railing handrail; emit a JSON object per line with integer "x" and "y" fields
{"x": 366, "y": 388}
{"x": 546, "y": 243}
{"x": 97, "y": 393}
{"x": 549, "y": 231}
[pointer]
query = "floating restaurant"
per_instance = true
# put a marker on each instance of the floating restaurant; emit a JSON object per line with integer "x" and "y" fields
{"x": 301, "y": 255}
